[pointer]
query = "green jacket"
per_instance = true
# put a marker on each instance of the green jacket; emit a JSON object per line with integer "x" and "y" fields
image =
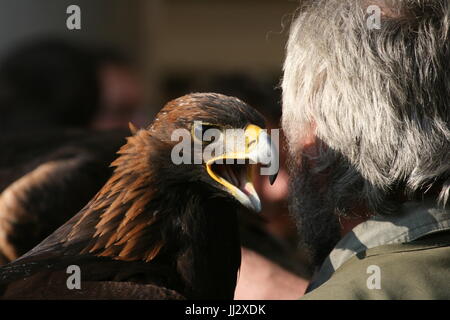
{"x": 402, "y": 257}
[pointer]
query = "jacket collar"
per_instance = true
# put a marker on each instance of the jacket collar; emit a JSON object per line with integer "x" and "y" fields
{"x": 416, "y": 220}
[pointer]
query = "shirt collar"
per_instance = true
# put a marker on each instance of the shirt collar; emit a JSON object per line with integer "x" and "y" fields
{"x": 416, "y": 219}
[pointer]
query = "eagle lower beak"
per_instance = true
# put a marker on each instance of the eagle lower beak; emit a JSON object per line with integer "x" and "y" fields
{"x": 234, "y": 168}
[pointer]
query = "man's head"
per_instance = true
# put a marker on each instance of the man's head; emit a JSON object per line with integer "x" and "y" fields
{"x": 365, "y": 111}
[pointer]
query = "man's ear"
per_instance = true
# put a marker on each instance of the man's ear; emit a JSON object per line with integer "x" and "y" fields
{"x": 308, "y": 143}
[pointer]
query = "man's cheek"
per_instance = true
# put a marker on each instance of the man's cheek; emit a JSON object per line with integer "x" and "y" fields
{"x": 318, "y": 180}
{"x": 305, "y": 141}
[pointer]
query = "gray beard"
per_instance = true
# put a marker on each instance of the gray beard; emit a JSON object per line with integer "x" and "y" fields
{"x": 318, "y": 197}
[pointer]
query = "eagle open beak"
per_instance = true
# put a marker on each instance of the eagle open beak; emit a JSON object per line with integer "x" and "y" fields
{"x": 233, "y": 169}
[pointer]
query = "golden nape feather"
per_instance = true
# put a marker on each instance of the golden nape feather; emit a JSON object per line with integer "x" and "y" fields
{"x": 122, "y": 227}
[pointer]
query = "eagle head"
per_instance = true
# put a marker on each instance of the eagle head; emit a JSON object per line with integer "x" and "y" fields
{"x": 217, "y": 141}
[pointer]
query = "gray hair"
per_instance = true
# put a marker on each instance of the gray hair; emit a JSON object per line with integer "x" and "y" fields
{"x": 378, "y": 98}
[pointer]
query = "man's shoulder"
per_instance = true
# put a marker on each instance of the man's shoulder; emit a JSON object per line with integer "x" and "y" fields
{"x": 415, "y": 270}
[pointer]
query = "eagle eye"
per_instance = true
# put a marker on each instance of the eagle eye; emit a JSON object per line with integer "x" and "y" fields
{"x": 200, "y": 128}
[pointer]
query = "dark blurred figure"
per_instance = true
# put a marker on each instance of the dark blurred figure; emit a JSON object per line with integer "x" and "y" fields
{"x": 53, "y": 94}
{"x": 121, "y": 92}
{"x": 48, "y": 84}
{"x": 53, "y": 83}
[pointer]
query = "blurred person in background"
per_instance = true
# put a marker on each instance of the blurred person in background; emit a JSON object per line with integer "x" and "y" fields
{"x": 54, "y": 83}
{"x": 55, "y": 96}
{"x": 121, "y": 92}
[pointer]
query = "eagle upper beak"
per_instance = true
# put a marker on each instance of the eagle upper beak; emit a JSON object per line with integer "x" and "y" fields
{"x": 233, "y": 169}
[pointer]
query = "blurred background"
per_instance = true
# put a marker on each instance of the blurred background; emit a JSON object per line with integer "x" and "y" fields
{"x": 130, "y": 57}
{"x": 174, "y": 46}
